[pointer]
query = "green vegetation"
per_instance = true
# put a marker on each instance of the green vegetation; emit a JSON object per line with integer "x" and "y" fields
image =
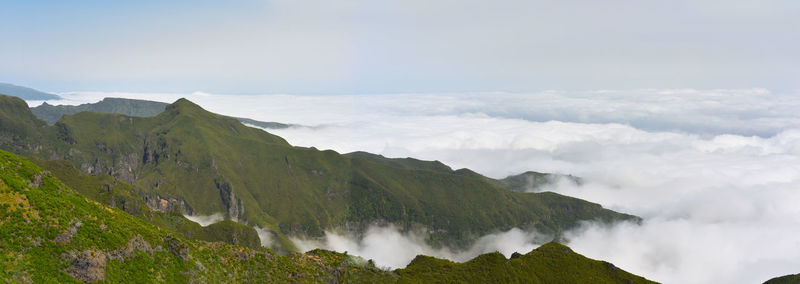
{"x": 786, "y": 279}
{"x": 113, "y": 192}
{"x": 191, "y": 161}
{"x": 550, "y": 263}
{"x": 50, "y": 233}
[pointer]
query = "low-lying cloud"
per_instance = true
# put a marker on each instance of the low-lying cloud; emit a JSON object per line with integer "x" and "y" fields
{"x": 391, "y": 248}
{"x": 715, "y": 174}
{"x": 264, "y": 235}
{"x": 205, "y": 220}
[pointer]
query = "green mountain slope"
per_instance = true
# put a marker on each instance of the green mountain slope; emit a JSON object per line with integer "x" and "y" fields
{"x": 116, "y": 193}
{"x": 195, "y": 162}
{"x": 25, "y": 93}
{"x": 550, "y": 263}
{"x": 50, "y": 233}
{"x": 130, "y": 107}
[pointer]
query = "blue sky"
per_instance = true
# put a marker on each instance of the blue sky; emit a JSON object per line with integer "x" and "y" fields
{"x": 354, "y": 46}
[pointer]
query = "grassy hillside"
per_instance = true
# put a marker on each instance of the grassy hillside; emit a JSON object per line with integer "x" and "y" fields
{"x": 192, "y": 161}
{"x": 550, "y": 263}
{"x": 50, "y": 233}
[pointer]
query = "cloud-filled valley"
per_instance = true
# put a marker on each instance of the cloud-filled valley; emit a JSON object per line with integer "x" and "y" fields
{"x": 714, "y": 173}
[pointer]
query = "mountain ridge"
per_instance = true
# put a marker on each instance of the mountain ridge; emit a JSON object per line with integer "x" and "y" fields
{"x": 131, "y": 107}
{"x": 52, "y": 233}
{"x": 193, "y": 161}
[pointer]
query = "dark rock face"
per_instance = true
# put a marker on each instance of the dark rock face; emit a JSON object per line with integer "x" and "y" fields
{"x": 232, "y": 203}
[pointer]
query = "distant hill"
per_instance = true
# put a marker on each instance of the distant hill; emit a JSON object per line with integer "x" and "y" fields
{"x": 131, "y": 107}
{"x": 53, "y": 234}
{"x": 550, "y": 263}
{"x": 529, "y": 181}
{"x": 25, "y": 93}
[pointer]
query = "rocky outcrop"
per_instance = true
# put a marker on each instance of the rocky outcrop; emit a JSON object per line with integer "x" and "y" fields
{"x": 89, "y": 265}
{"x": 232, "y": 203}
{"x": 168, "y": 204}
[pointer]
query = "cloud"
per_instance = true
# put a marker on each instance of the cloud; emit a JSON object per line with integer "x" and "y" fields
{"x": 204, "y": 220}
{"x": 391, "y": 248}
{"x": 714, "y": 173}
{"x": 265, "y": 236}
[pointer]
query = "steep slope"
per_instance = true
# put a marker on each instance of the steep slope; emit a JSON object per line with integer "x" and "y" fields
{"x": 131, "y": 107}
{"x": 550, "y": 263}
{"x": 116, "y": 193}
{"x": 25, "y": 93}
{"x": 195, "y": 162}
{"x": 50, "y": 233}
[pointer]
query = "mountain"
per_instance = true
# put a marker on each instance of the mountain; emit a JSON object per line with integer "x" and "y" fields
{"x": 194, "y": 162}
{"x": 786, "y": 279}
{"x": 25, "y": 93}
{"x": 550, "y": 263}
{"x": 51, "y": 233}
{"x": 129, "y": 107}
{"x": 529, "y": 181}
{"x": 51, "y": 113}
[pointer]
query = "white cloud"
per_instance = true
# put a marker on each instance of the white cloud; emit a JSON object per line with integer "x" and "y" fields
{"x": 205, "y": 220}
{"x": 715, "y": 174}
{"x": 391, "y": 248}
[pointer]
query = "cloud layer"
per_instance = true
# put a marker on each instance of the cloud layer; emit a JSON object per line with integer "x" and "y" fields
{"x": 715, "y": 174}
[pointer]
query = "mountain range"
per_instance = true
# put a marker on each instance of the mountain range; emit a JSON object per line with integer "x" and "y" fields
{"x": 52, "y": 233}
{"x": 129, "y": 170}
{"x": 141, "y": 108}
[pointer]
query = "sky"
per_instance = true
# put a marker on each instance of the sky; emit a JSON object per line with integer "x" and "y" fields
{"x": 715, "y": 174}
{"x": 376, "y": 47}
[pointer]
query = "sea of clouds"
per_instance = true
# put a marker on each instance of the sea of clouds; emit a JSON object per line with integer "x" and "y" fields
{"x": 714, "y": 173}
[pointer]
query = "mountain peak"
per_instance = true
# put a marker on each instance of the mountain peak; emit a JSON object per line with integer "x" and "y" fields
{"x": 185, "y": 107}
{"x": 183, "y": 103}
